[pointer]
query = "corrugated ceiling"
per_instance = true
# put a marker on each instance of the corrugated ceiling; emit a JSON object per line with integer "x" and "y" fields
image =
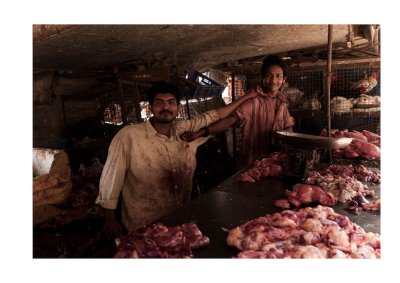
{"x": 93, "y": 47}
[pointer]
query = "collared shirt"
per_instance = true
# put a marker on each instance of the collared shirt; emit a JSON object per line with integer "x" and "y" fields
{"x": 152, "y": 172}
{"x": 258, "y": 118}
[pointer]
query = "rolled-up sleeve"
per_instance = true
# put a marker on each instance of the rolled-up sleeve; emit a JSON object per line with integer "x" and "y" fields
{"x": 113, "y": 175}
{"x": 242, "y": 113}
{"x": 198, "y": 122}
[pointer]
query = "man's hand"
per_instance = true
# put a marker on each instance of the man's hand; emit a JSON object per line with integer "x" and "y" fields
{"x": 191, "y": 136}
{"x": 188, "y": 136}
{"x": 254, "y": 93}
{"x": 111, "y": 228}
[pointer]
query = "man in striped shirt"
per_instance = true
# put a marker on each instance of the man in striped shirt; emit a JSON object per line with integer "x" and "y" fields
{"x": 260, "y": 117}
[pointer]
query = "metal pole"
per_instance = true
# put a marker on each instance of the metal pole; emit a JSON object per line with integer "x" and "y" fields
{"x": 233, "y": 129}
{"x": 328, "y": 84}
{"x": 187, "y": 103}
{"x": 122, "y": 103}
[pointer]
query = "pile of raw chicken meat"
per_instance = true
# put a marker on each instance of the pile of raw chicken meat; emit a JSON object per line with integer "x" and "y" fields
{"x": 306, "y": 233}
{"x": 267, "y": 167}
{"x": 365, "y": 144}
{"x": 160, "y": 241}
{"x": 326, "y": 186}
{"x": 336, "y": 183}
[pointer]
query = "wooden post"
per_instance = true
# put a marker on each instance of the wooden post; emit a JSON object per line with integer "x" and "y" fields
{"x": 328, "y": 84}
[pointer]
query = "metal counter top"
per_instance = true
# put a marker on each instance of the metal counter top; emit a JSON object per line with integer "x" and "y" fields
{"x": 232, "y": 202}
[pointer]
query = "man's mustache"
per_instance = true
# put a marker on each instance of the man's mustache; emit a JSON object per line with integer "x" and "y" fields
{"x": 166, "y": 111}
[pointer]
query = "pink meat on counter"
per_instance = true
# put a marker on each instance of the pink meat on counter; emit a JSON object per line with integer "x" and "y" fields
{"x": 342, "y": 187}
{"x": 359, "y": 172}
{"x": 194, "y": 236}
{"x": 355, "y": 135}
{"x": 278, "y": 157}
{"x": 160, "y": 241}
{"x": 350, "y": 153}
{"x": 317, "y": 232}
{"x": 266, "y": 167}
{"x": 305, "y": 194}
{"x": 365, "y": 144}
{"x": 374, "y": 205}
{"x": 365, "y": 149}
{"x": 282, "y": 203}
{"x": 337, "y": 153}
{"x": 246, "y": 178}
{"x": 292, "y": 198}
{"x": 322, "y": 197}
{"x": 372, "y": 137}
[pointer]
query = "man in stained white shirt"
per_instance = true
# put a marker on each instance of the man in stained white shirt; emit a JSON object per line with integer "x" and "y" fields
{"x": 149, "y": 164}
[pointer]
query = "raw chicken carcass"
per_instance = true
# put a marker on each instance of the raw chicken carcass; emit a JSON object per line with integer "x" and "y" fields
{"x": 322, "y": 197}
{"x": 268, "y": 166}
{"x": 365, "y": 144}
{"x": 355, "y": 135}
{"x": 375, "y": 205}
{"x": 282, "y": 203}
{"x": 364, "y": 149}
{"x": 372, "y": 137}
{"x": 305, "y": 194}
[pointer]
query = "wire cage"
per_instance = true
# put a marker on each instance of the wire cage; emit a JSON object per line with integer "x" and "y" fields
{"x": 131, "y": 96}
{"x": 81, "y": 113}
{"x": 353, "y": 104}
{"x": 355, "y": 96}
{"x": 84, "y": 114}
{"x": 305, "y": 88}
{"x": 74, "y": 107}
{"x": 90, "y": 121}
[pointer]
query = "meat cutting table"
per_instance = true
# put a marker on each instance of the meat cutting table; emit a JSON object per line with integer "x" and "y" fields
{"x": 224, "y": 207}
{"x": 232, "y": 203}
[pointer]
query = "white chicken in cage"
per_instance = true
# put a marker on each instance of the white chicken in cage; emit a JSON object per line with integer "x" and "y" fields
{"x": 367, "y": 83}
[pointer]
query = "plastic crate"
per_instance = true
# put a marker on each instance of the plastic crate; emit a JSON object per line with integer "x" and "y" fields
{"x": 200, "y": 86}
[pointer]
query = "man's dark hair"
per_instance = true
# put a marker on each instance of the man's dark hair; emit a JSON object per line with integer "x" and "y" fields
{"x": 163, "y": 87}
{"x": 271, "y": 60}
